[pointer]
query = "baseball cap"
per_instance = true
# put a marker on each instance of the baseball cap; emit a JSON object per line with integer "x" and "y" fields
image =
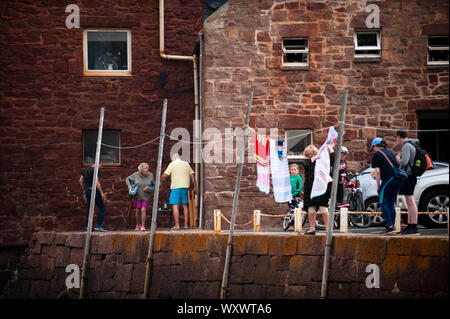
{"x": 375, "y": 141}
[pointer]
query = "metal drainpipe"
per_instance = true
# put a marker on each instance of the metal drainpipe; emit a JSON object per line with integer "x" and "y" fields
{"x": 192, "y": 58}
{"x": 201, "y": 184}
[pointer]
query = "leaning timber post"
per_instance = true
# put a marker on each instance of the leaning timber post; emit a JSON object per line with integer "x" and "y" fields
{"x": 155, "y": 205}
{"x": 87, "y": 245}
{"x": 223, "y": 290}
{"x": 337, "y": 158}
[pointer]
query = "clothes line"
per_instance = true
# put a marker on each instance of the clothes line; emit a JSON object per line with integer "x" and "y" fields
{"x": 253, "y": 130}
{"x": 393, "y": 129}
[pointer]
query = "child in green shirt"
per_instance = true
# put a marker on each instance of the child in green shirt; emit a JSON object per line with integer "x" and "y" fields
{"x": 296, "y": 180}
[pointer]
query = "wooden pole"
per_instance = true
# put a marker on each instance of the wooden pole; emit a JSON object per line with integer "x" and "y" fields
{"x": 217, "y": 221}
{"x": 155, "y": 205}
{"x": 87, "y": 245}
{"x": 344, "y": 220}
{"x": 223, "y": 291}
{"x": 298, "y": 220}
{"x": 256, "y": 221}
{"x": 337, "y": 158}
{"x": 398, "y": 219}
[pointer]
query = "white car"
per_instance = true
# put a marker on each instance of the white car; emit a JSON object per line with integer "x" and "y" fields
{"x": 431, "y": 194}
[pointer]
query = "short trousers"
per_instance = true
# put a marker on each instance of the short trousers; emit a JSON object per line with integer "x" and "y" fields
{"x": 140, "y": 203}
{"x": 408, "y": 185}
{"x": 177, "y": 195}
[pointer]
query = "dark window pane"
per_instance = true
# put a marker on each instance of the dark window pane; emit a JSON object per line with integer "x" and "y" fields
{"x": 295, "y": 57}
{"x": 438, "y": 42}
{"x": 377, "y": 52}
{"x": 366, "y": 39}
{"x": 108, "y": 155}
{"x": 295, "y": 44}
{"x": 297, "y": 141}
{"x": 107, "y": 50}
{"x": 438, "y": 55}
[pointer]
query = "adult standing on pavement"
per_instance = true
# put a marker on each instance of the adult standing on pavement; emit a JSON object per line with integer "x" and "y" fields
{"x": 181, "y": 174}
{"x": 319, "y": 203}
{"x": 387, "y": 185}
{"x": 85, "y": 181}
{"x": 144, "y": 180}
{"x": 406, "y": 162}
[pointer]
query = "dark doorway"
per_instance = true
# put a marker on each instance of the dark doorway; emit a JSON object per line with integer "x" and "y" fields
{"x": 435, "y": 143}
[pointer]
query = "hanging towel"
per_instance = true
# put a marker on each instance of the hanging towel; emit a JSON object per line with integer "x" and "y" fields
{"x": 261, "y": 149}
{"x": 322, "y": 169}
{"x": 261, "y": 156}
{"x": 281, "y": 181}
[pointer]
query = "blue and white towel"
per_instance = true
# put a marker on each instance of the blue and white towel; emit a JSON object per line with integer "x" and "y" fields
{"x": 281, "y": 181}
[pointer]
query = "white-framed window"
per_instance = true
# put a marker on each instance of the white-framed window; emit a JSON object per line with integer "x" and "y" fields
{"x": 437, "y": 50}
{"x": 297, "y": 141}
{"x": 108, "y": 155}
{"x": 295, "y": 53}
{"x": 367, "y": 45}
{"x": 107, "y": 52}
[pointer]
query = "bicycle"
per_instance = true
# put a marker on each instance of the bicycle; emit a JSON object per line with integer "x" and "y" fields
{"x": 289, "y": 221}
{"x": 354, "y": 202}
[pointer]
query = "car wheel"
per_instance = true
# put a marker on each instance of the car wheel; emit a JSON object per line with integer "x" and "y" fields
{"x": 372, "y": 205}
{"x": 434, "y": 201}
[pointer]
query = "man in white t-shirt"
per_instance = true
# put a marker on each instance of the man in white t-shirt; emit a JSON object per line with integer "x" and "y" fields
{"x": 181, "y": 174}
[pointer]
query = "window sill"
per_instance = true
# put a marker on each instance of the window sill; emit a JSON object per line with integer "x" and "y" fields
{"x": 103, "y": 164}
{"x": 107, "y": 74}
{"x": 366, "y": 60}
{"x": 295, "y": 67}
{"x": 437, "y": 66}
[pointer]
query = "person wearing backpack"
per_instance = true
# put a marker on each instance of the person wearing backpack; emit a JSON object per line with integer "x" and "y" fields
{"x": 388, "y": 185}
{"x": 406, "y": 161}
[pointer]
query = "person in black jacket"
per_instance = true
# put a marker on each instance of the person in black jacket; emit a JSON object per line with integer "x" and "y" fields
{"x": 319, "y": 203}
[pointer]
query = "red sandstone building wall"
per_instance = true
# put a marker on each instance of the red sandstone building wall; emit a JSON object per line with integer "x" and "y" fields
{"x": 243, "y": 52}
{"x": 46, "y": 102}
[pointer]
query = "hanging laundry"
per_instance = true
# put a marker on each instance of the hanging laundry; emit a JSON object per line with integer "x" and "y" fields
{"x": 261, "y": 149}
{"x": 261, "y": 156}
{"x": 322, "y": 169}
{"x": 281, "y": 181}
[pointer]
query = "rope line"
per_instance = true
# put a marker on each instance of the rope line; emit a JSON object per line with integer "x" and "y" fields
{"x": 251, "y": 129}
{"x": 393, "y": 129}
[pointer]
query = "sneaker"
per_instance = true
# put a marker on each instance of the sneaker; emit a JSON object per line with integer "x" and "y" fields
{"x": 410, "y": 230}
{"x": 143, "y": 228}
{"x": 389, "y": 230}
{"x": 99, "y": 228}
{"x": 310, "y": 233}
{"x": 138, "y": 228}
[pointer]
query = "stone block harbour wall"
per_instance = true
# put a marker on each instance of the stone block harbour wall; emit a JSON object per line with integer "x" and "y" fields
{"x": 189, "y": 265}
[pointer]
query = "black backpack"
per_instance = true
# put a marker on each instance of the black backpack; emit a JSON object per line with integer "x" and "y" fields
{"x": 422, "y": 161}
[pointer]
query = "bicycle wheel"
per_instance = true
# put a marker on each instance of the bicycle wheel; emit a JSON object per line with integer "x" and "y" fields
{"x": 286, "y": 222}
{"x": 359, "y": 220}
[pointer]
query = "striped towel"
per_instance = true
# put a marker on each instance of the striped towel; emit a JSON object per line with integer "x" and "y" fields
{"x": 281, "y": 181}
{"x": 261, "y": 156}
{"x": 322, "y": 169}
{"x": 261, "y": 149}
